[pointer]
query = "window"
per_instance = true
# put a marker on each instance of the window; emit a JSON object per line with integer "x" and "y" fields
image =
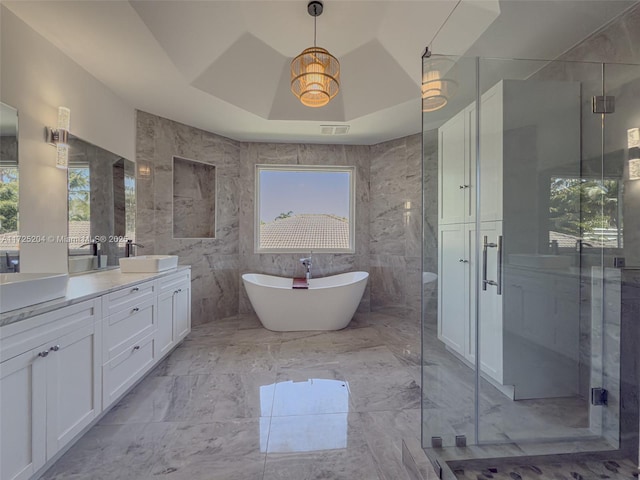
{"x": 586, "y": 209}
{"x": 304, "y": 209}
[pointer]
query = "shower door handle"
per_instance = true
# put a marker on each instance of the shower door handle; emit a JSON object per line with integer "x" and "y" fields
{"x": 499, "y": 253}
{"x": 485, "y": 247}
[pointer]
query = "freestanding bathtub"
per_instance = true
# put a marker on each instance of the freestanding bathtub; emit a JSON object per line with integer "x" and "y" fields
{"x": 328, "y": 304}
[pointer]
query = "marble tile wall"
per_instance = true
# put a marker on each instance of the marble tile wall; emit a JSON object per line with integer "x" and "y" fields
{"x": 388, "y": 228}
{"x": 9, "y": 149}
{"x": 214, "y": 261}
{"x": 630, "y": 363}
{"x": 430, "y": 225}
{"x": 194, "y": 199}
{"x": 396, "y": 224}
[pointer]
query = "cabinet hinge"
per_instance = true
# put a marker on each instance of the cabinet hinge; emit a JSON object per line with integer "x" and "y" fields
{"x": 604, "y": 104}
{"x": 599, "y": 396}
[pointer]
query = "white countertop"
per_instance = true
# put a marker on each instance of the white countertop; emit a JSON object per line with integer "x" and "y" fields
{"x": 84, "y": 287}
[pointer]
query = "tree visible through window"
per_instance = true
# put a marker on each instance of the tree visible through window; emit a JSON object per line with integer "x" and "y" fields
{"x": 304, "y": 208}
{"x": 586, "y": 209}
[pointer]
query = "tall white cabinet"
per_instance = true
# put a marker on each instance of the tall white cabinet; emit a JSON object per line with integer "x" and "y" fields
{"x": 529, "y": 132}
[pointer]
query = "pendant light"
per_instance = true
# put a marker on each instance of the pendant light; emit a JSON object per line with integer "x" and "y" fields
{"x": 437, "y": 85}
{"x": 315, "y": 73}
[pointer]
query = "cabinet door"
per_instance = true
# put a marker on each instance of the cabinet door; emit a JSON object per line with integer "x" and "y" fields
{"x": 452, "y": 145}
{"x": 165, "y": 333}
{"x": 490, "y": 314}
{"x": 491, "y": 135}
{"x": 73, "y": 385}
{"x": 182, "y": 311}
{"x": 452, "y": 297}
{"x": 470, "y": 175}
{"x": 22, "y": 415}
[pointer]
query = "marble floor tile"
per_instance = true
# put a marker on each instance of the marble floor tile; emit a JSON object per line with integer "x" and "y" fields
{"x": 220, "y": 396}
{"x": 249, "y": 358}
{"x": 393, "y": 389}
{"x": 229, "y": 450}
{"x": 343, "y": 464}
{"x": 112, "y": 452}
{"x": 148, "y": 402}
{"x": 384, "y": 432}
{"x": 314, "y": 447}
{"x": 191, "y": 360}
{"x": 238, "y": 402}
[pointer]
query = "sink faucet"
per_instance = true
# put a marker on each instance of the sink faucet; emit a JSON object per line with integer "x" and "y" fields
{"x": 306, "y": 263}
{"x": 128, "y": 248}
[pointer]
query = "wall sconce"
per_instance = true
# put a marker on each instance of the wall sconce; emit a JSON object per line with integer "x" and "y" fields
{"x": 633, "y": 142}
{"x": 60, "y": 137}
{"x": 144, "y": 170}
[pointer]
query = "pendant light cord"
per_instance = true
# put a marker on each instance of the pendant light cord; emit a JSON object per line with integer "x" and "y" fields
{"x": 315, "y": 20}
{"x": 427, "y": 53}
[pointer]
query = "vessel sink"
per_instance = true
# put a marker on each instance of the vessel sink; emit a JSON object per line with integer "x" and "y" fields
{"x": 19, "y": 290}
{"x": 148, "y": 263}
{"x": 540, "y": 261}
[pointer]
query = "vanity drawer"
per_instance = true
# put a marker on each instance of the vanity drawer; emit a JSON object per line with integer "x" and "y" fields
{"x": 126, "y": 368}
{"x": 121, "y": 328}
{"x": 127, "y": 298}
{"x": 18, "y": 337}
{"x": 171, "y": 282}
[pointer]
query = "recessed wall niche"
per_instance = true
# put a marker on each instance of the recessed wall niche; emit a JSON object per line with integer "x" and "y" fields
{"x": 194, "y": 199}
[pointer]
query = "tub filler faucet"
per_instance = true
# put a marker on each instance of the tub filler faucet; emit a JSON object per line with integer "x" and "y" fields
{"x": 306, "y": 263}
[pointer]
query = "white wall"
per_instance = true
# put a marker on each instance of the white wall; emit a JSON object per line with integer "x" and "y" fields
{"x": 36, "y": 78}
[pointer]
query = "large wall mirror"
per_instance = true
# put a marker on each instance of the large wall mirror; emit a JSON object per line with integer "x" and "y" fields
{"x": 102, "y": 206}
{"x": 9, "y": 245}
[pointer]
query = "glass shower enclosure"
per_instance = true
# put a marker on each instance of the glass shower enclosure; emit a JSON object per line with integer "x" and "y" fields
{"x": 529, "y": 196}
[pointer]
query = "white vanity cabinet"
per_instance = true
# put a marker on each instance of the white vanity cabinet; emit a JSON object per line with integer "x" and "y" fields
{"x": 62, "y": 370}
{"x": 129, "y": 329}
{"x": 529, "y": 133}
{"x": 174, "y": 310}
{"x": 50, "y": 389}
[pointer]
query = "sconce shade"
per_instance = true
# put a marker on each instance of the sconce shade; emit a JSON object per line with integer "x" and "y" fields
{"x": 315, "y": 77}
{"x": 64, "y": 118}
{"x": 60, "y": 137}
{"x": 633, "y": 143}
{"x": 437, "y": 89}
{"x": 62, "y": 155}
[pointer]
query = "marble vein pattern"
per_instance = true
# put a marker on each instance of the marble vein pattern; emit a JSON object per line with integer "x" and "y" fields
{"x": 236, "y": 401}
{"x": 388, "y": 237}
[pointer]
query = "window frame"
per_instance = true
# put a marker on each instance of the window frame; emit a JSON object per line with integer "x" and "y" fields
{"x": 351, "y": 170}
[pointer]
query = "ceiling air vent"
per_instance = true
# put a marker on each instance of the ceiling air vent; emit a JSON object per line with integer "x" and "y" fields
{"x": 334, "y": 129}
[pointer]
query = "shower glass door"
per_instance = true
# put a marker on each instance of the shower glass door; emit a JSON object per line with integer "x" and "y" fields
{"x": 537, "y": 131}
{"x": 525, "y": 187}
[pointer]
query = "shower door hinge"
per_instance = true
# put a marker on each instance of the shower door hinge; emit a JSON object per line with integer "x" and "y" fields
{"x": 436, "y": 442}
{"x": 599, "y": 396}
{"x": 604, "y": 104}
{"x": 461, "y": 441}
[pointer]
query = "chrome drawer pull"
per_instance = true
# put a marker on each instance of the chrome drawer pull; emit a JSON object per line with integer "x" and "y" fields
{"x": 43, "y": 354}
{"x": 55, "y": 348}
{"x": 135, "y": 289}
{"x": 137, "y": 347}
{"x": 135, "y": 310}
